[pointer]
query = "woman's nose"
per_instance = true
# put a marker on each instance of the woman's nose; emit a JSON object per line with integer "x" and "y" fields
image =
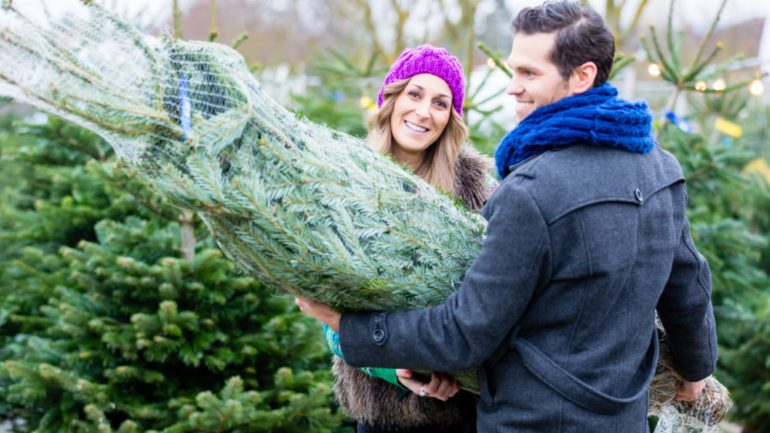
{"x": 423, "y": 109}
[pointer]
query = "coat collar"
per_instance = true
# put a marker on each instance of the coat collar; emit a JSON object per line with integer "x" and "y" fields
{"x": 580, "y": 175}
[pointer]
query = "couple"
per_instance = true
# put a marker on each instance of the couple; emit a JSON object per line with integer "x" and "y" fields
{"x": 587, "y": 237}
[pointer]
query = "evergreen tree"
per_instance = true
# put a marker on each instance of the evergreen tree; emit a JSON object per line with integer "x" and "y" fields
{"x": 730, "y": 229}
{"x": 106, "y": 328}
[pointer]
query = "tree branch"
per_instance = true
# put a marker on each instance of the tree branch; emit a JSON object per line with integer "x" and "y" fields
{"x": 372, "y": 29}
{"x": 188, "y": 236}
{"x": 177, "y": 17}
{"x": 402, "y": 15}
{"x": 213, "y": 28}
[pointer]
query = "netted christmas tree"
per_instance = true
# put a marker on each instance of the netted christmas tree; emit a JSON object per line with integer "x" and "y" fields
{"x": 107, "y": 328}
{"x": 305, "y": 208}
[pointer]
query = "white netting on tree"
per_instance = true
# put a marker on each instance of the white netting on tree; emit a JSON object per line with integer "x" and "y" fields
{"x": 670, "y": 420}
{"x": 309, "y": 210}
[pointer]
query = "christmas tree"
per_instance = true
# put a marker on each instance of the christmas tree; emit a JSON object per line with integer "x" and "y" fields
{"x": 107, "y": 328}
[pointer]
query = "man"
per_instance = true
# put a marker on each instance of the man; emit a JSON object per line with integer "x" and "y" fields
{"x": 586, "y": 237}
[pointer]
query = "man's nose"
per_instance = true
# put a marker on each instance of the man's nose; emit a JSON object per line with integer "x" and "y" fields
{"x": 514, "y": 88}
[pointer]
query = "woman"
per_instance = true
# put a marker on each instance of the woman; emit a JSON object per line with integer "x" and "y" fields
{"x": 420, "y": 124}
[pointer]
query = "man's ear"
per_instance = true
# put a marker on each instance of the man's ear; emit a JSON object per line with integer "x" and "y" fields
{"x": 582, "y": 78}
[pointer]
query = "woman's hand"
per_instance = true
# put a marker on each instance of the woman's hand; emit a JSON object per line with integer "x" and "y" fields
{"x": 441, "y": 386}
{"x": 320, "y": 311}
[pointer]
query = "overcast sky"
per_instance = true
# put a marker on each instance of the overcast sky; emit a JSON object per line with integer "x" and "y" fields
{"x": 695, "y": 12}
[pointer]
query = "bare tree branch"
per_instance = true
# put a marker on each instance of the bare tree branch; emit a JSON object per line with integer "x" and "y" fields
{"x": 402, "y": 15}
{"x": 453, "y": 31}
{"x": 213, "y": 28}
{"x": 177, "y": 16}
{"x": 372, "y": 29}
{"x": 188, "y": 236}
{"x": 635, "y": 21}
{"x": 468, "y": 19}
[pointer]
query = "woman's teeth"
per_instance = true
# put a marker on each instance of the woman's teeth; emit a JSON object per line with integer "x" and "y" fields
{"x": 414, "y": 127}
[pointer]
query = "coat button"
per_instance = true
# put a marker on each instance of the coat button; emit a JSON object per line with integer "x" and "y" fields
{"x": 638, "y": 195}
{"x": 378, "y": 336}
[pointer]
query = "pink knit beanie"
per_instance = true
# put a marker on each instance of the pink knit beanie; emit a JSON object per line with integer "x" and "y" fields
{"x": 427, "y": 59}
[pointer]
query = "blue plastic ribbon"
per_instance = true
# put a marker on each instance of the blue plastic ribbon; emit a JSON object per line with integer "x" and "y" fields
{"x": 185, "y": 108}
{"x": 679, "y": 121}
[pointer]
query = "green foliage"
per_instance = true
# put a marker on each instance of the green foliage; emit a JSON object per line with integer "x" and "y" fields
{"x": 339, "y": 65}
{"x": 728, "y": 213}
{"x": 671, "y": 59}
{"x": 105, "y": 328}
{"x": 745, "y": 331}
{"x": 745, "y": 363}
{"x": 717, "y": 204}
{"x": 485, "y": 137}
{"x": 333, "y": 109}
{"x": 728, "y": 105}
{"x": 756, "y": 133}
{"x": 337, "y": 100}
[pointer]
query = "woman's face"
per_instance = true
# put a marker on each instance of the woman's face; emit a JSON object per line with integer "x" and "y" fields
{"x": 420, "y": 114}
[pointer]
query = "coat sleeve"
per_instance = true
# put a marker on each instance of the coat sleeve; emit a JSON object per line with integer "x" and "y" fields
{"x": 686, "y": 312}
{"x": 462, "y": 332}
{"x": 387, "y": 374}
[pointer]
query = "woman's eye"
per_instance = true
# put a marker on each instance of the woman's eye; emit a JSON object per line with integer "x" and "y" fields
{"x": 442, "y": 104}
{"x": 414, "y": 94}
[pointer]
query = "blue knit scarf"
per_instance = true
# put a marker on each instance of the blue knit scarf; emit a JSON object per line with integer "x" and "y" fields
{"x": 595, "y": 117}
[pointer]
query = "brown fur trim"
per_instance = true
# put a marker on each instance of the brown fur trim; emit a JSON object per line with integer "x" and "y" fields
{"x": 472, "y": 174}
{"x": 377, "y": 402}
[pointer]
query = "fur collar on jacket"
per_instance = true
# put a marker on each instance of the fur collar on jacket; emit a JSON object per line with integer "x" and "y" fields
{"x": 472, "y": 178}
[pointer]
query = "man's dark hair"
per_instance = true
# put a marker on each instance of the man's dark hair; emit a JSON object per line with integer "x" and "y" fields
{"x": 581, "y": 36}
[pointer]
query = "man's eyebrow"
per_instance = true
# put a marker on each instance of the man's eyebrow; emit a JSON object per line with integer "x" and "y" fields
{"x": 525, "y": 67}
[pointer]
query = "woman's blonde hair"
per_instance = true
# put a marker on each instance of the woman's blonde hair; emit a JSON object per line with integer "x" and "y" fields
{"x": 438, "y": 164}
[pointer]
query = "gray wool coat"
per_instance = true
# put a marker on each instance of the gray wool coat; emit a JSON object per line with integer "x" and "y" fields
{"x": 558, "y": 310}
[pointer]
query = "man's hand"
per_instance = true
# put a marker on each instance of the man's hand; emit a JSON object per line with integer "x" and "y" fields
{"x": 319, "y": 311}
{"x": 441, "y": 386}
{"x": 688, "y": 391}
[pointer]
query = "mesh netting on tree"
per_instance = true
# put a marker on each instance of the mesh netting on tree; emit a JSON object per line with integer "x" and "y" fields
{"x": 670, "y": 420}
{"x": 311, "y": 211}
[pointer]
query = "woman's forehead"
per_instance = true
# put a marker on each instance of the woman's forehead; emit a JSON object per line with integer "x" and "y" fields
{"x": 431, "y": 83}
